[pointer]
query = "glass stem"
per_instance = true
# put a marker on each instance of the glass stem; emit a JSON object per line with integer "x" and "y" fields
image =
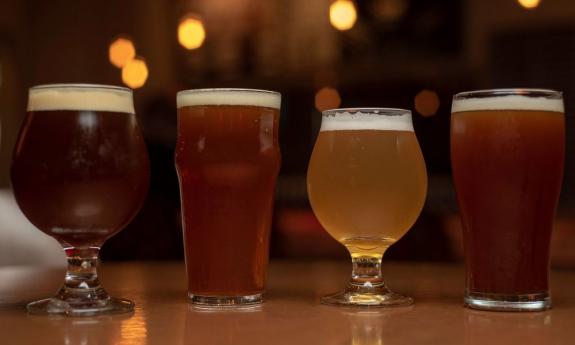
{"x": 82, "y": 276}
{"x": 366, "y": 272}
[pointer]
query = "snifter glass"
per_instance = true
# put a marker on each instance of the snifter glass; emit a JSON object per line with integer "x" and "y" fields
{"x": 507, "y": 157}
{"x": 80, "y": 173}
{"x": 367, "y": 184}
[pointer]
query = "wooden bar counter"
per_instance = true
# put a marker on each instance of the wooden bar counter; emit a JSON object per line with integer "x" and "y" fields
{"x": 292, "y": 313}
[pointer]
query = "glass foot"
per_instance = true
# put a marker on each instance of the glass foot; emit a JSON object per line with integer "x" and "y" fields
{"x": 58, "y": 306}
{"x": 226, "y": 301}
{"x": 362, "y": 299}
{"x": 505, "y": 302}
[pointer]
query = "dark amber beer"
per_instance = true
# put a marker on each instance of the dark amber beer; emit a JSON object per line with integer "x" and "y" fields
{"x": 507, "y": 151}
{"x": 80, "y": 174}
{"x": 227, "y": 158}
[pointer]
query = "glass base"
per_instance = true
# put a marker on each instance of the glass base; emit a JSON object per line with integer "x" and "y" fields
{"x": 361, "y": 299}
{"x": 56, "y": 306}
{"x": 505, "y": 302}
{"x": 226, "y": 301}
{"x": 81, "y": 304}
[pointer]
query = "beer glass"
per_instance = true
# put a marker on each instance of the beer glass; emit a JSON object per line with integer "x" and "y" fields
{"x": 367, "y": 184}
{"x": 80, "y": 174}
{"x": 507, "y": 154}
{"x": 227, "y": 159}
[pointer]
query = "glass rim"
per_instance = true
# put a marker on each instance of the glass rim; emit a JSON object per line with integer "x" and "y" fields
{"x": 226, "y": 89}
{"x": 528, "y": 92}
{"x": 369, "y": 110}
{"x": 86, "y": 86}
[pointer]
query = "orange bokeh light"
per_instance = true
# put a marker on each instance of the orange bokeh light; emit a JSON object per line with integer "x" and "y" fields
{"x": 426, "y": 102}
{"x": 191, "y": 32}
{"x": 327, "y": 98}
{"x": 342, "y": 14}
{"x": 121, "y": 51}
{"x": 135, "y": 73}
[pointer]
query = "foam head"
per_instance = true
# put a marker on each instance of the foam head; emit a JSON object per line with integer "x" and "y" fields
{"x": 378, "y": 119}
{"x": 81, "y": 97}
{"x": 249, "y": 97}
{"x": 508, "y": 99}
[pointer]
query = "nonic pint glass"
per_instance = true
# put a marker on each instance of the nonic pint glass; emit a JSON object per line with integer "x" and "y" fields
{"x": 507, "y": 156}
{"x": 367, "y": 184}
{"x": 227, "y": 159}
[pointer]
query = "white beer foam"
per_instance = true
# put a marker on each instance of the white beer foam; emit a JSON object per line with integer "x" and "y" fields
{"x": 510, "y": 102}
{"x": 83, "y": 97}
{"x": 249, "y": 97}
{"x": 357, "y": 120}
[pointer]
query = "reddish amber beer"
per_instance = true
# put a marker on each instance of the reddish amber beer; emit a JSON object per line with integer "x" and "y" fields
{"x": 80, "y": 173}
{"x": 227, "y": 158}
{"x": 507, "y": 151}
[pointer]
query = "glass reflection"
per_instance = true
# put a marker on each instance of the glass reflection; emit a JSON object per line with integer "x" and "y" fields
{"x": 233, "y": 326}
{"x": 372, "y": 327}
{"x": 509, "y": 328}
{"x": 133, "y": 330}
{"x": 102, "y": 330}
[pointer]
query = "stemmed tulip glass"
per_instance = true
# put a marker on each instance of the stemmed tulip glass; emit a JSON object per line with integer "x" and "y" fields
{"x": 367, "y": 184}
{"x": 80, "y": 173}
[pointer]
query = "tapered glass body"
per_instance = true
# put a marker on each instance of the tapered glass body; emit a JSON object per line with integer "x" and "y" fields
{"x": 507, "y": 152}
{"x": 228, "y": 159}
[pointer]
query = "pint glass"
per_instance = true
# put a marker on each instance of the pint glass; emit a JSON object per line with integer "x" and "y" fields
{"x": 227, "y": 159}
{"x": 507, "y": 155}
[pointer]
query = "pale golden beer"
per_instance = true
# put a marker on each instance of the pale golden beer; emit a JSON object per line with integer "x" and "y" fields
{"x": 367, "y": 181}
{"x": 376, "y": 180}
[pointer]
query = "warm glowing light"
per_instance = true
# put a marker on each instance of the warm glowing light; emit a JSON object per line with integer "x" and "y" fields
{"x": 191, "y": 33}
{"x": 427, "y": 102}
{"x": 133, "y": 330}
{"x": 121, "y": 51}
{"x": 135, "y": 73}
{"x": 342, "y": 14}
{"x": 327, "y": 98}
{"x": 529, "y": 4}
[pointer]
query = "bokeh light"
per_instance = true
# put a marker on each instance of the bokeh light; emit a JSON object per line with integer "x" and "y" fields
{"x": 191, "y": 32}
{"x": 389, "y": 11}
{"x": 121, "y": 51}
{"x": 427, "y": 103}
{"x": 529, "y": 4}
{"x": 135, "y": 73}
{"x": 342, "y": 14}
{"x": 327, "y": 98}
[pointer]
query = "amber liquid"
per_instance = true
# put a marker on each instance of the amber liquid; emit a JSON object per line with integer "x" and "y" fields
{"x": 508, "y": 169}
{"x": 227, "y": 158}
{"x": 80, "y": 176}
{"x": 367, "y": 187}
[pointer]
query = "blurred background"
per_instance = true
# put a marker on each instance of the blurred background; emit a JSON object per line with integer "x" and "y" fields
{"x": 319, "y": 54}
